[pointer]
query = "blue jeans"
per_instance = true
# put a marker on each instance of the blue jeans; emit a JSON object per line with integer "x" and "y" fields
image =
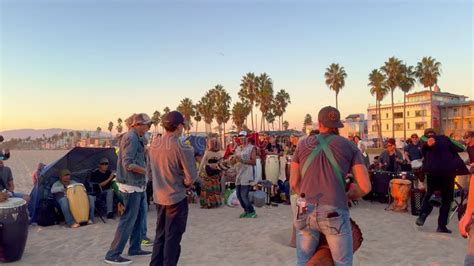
{"x": 64, "y": 204}
{"x": 130, "y": 226}
{"x": 243, "y": 196}
{"x": 144, "y": 207}
{"x": 337, "y": 230}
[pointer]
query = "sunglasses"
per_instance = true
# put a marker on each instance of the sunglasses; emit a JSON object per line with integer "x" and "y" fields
{"x": 104, "y": 163}
{"x": 414, "y": 137}
{"x": 389, "y": 145}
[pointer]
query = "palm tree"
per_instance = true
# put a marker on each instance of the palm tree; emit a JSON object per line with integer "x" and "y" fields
{"x": 119, "y": 126}
{"x": 156, "y": 119}
{"x": 166, "y": 110}
{"x": 222, "y": 100}
{"x": 379, "y": 90}
{"x": 110, "y": 127}
{"x": 197, "y": 116}
{"x": 99, "y": 129}
{"x": 206, "y": 109}
{"x": 282, "y": 99}
{"x": 406, "y": 83}
{"x": 308, "y": 121}
{"x": 270, "y": 118}
{"x": 427, "y": 71}
{"x": 335, "y": 79}
{"x": 391, "y": 69}
{"x": 264, "y": 97}
{"x": 248, "y": 91}
{"x": 186, "y": 108}
{"x": 285, "y": 125}
{"x": 239, "y": 112}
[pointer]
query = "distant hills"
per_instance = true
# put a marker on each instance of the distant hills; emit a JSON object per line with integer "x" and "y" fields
{"x": 33, "y": 133}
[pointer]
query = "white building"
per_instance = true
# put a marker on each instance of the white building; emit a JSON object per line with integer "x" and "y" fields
{"x": 354, "y": 125}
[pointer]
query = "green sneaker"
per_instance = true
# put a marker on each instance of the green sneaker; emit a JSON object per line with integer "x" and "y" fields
{"x": 147, "y": 243}
{"x": 251, "y": 215}
{"x": 243, "y": 215}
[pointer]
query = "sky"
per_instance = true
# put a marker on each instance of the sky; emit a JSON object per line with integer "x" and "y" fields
{"x": 80, "y": 64}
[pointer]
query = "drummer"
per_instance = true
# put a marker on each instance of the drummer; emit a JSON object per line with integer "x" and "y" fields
{"x": 273, "y": 148}
{"x": 391, "y": 158}
{"x": 6, "y": 183}
{"x": 412, "y": 151}
{"x": 59, "y": 191}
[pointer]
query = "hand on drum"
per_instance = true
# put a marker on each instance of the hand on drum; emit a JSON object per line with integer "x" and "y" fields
{"x": 464, "y": 225}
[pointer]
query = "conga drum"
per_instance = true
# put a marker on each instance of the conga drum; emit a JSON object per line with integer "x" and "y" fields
{"x": 400, "y": 192}
{"x": 272, "y": 168}
{"x": 78, "y": 202}
{"x": 258, "y": 170}
{"x": 13, "y": 229}
{"x": 289, "y": 158}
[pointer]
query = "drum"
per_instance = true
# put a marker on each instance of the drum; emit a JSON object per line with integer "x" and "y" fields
{"x": 417, "y": 166}
{"x": 13, "y": 229}
{"x": 416, "y": 196}
{"x": 400, "y": 192}
{"x": 289, "y": 158}
{"x": 78, "y": 203}
{"x": 380, "y": 185}
{"x": 282, "y": 172}
{"x": 258, "y": 170}
{"x": 272, "y": 168}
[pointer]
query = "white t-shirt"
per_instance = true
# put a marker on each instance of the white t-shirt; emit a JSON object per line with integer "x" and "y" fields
{"x": 130, "y": 189}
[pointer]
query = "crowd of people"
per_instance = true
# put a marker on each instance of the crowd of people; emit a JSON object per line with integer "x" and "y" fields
{"x": 320, "y": 164}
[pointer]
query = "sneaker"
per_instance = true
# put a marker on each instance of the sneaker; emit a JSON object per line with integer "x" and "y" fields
{"x": 74, "y": 225}
{"x": 251, "y": 215}
{"x": 141, "y": 253}
{"x": 243, "y": 215}
{"x": 421, "y": 220}
{"x": 118, "y": 261}
{"x": 443, "y": 229}
{"x": 147, "y": 242}
{"x": 90, "y": 222}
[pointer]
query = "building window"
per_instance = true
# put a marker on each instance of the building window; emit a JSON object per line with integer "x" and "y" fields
{"x": 420, "y": 113}
{"x": 469, "y": 110}
{"x": 387, "y": 126}
{"x": 374, "y": 128}
{"x": 386, "y": 115}
{"x": 420, "y": 126}
{"x": 469, "y": 124}
{"x": 374, "y": 117}
{"x": 408, "y": 113}
{"x": 398, "y": 126}
{"x": 408, "y": 125}
{"x": 398, "y": 115}
{"x": 455, "y": 125}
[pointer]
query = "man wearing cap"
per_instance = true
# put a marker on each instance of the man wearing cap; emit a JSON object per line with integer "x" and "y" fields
{"x": 131, "y": 181}
{"x": 59, "y": 191}
{"x": 246, "y": 158}
{"x": 173, "y": 169}
{"x": 441, "y": 165}
{"x": 102, "y": 177}
{"x": 390, "y": 160}
{"x": 318, "y": 171}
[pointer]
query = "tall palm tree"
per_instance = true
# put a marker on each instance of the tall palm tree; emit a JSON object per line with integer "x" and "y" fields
{"x": 308, "y": 121}
{"x": 166, "y": 110}
{"x": 206, "y": 109}
{"x": 239, "y": 112}
{"x": 110, "y": 127}
{"x": 186, "y": 108}
{"x": 406, "y": 83}
{"x": 248, "y": 91}
{"x": 427, "y": 71}
{"x": 282, "y": 100}
{"x": 335, "y": 79}
{"x": 222, "y": 99}
{"x": 119, "y": 125}
{"x": 156, "y": 119}
{"x": 285, "y": 125}
{"x": 379, "y": 90}
{"x": 391, "y": 69}
{"x": 264, "y": 97}
{"x": 197, "y": 116}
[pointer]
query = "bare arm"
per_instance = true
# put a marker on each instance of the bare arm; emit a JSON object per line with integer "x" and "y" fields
{"x": 252, "y": 160}
{"x": 466, "y": 219}
{"x": 362, "y": 186}
{"x": 295, "y": 177}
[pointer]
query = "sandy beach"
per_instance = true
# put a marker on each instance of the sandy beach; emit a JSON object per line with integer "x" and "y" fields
{"x": 218, "y": 237}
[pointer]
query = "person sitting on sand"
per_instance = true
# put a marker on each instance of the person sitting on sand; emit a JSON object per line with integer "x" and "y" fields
{"x": 6, "y": 183}
{"x": 103, "y": 177}
{"x": 391, "y": 158}
{"x": 59, "y": 191}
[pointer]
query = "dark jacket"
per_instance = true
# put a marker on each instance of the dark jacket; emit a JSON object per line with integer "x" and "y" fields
{"x": 384, "y": 158}
{"x": 442, "y": 159}
{"x": 132, "y": 151}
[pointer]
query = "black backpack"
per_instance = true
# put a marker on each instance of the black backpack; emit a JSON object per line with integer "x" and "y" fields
{"x": 47, "y": 213}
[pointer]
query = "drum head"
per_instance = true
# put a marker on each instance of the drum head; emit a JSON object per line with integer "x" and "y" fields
{"x": 12, "y": 203}
{"x": 416, "y": 164}
{"x": 400, "y": 181}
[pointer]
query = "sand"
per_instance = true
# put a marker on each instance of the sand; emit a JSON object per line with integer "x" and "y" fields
{"x": 218, "y": 237}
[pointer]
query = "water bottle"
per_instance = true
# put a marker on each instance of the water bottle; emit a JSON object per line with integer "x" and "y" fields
{"x": 302, "y": 206}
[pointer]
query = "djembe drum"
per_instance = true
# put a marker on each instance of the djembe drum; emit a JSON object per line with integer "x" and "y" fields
{"x": 78, "y": 202}
{"x": 13, "y": 229}
{"x": 400, "y": 192}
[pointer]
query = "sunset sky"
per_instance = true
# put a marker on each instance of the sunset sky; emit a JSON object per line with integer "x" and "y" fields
{"x": 80, "y": 64}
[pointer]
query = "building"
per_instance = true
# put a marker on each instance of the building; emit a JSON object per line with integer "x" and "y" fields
{"x": 457, "y": 118}
{"x": 422, "y": 111}
{"x": 355, "y": 125}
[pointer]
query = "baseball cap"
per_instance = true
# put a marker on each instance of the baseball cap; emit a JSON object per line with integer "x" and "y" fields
{"x": 64, "y": 172}
{"x": 391, "y": 141}
{"x": 140, "y": 119}
{"x": 243, "y": 133}
{"x": 173, "y": 119}
{"x": 330, "y": 117}
{"x": 429, "y": 131}
{"x": 104, "y": 160}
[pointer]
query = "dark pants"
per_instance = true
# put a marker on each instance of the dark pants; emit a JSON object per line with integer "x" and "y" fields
{"x": 170, "y": 227}
{"x": 444, "y": 184}
{"x": 243, "y": 196}
{"x": 130, "y": 225}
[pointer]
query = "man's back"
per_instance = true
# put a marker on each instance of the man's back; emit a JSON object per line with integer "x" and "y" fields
{"x": 320, "y": 183}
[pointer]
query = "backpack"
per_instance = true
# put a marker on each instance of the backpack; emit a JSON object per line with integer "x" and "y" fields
{"x": 47, "y": 213}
